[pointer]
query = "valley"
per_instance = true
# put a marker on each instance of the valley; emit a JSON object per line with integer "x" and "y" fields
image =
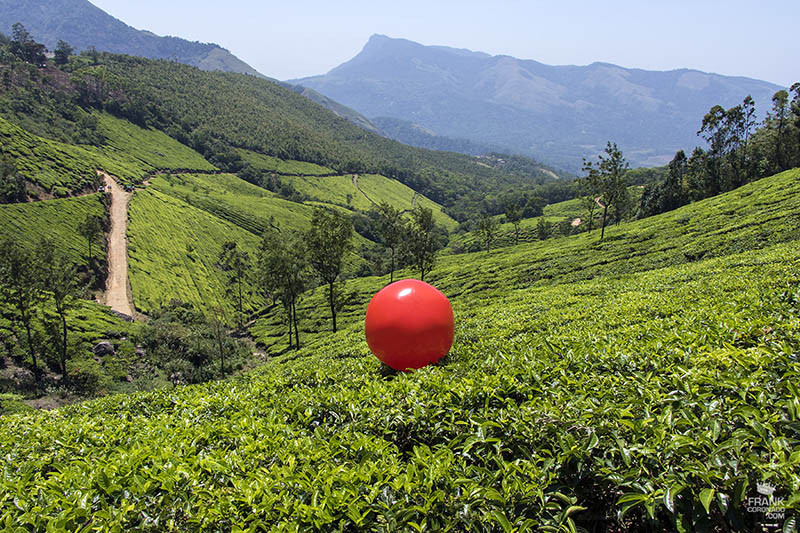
{"x": 626, "y": 343}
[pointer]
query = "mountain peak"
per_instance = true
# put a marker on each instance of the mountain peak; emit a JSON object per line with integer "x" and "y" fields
{"x": 557, "y": 114}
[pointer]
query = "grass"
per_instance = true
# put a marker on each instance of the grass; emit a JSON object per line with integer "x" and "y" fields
{"x": 557, "y": 214}
{"x": 754, "y": 216}
{"x": 283, "y": 167}
{"x": 57, "y": 220}
{"x": 173, "y": 251}
{"x": 48, "y": 164}
{"x": 235, "y": 200}
{"x": 147, "y": 149}
{"x": 130, "y": 153}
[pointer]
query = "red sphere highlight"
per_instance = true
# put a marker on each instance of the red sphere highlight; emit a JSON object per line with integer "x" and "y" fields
{"x": 409, "y": 324}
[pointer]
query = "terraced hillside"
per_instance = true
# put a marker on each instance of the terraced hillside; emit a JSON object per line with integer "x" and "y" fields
{"x": 756, "y": 215}
{"x": 642, "y": 383}
{"x": 128, "y": 151}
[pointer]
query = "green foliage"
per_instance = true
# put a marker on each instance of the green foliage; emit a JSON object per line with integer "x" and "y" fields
{"x": 283, "y": 273}
{"x": 173, "y": 249}
{"x": 328, "y": 242}
{"x": 182, "y": 343}
{"x": 422, "y": 240}
{"x": 232, "y": 199}
{"x": 146, "y": 148}
{"x": 390, "y": 231}
{"x": 12, "y": 184}
{"x": 58, "y": 220}
{"x": 487, "y": 226}
{"x": 558, "y": 406}
{"x": 48, "y": 163}
{"x": 285, "y": 168}
{"x": 62, "y": 52}
{"x": 238, "y": 270}
{"x": 606, "y": 183}
{"x": 221, "y": 115}
{"x": 755, "y": 215}
{"x": 11, "y": 404}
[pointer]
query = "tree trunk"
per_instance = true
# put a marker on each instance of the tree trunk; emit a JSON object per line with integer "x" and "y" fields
{"x": 64, "y": 344}
{"x": 289, "y": 312}
{"x": 294, "y": 319}
{"x": 603, "y": 230}
{"x": 221, "y": 349}
{"x": 32, "y": 350}
{"x": 391, "y": 272}
{"x": 241, "y": 310}
{"x": 333, "y": 305}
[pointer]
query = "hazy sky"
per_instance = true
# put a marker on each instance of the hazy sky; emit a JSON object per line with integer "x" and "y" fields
{"x": 291, "y": 39}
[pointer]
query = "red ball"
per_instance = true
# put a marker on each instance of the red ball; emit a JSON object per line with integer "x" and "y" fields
{"x": 409, "y": 324}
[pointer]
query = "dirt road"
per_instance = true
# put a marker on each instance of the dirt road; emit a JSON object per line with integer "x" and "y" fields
{"x": 118, "y": 294}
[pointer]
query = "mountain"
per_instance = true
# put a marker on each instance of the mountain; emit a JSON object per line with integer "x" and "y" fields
{"x": 557, "y": 114}
{"x": 83, "y": 25}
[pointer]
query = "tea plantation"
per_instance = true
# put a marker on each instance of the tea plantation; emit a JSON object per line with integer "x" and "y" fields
{"x": 645, "y": 383}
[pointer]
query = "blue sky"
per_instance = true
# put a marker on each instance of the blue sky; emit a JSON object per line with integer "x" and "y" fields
{"x": 291, "y": 39}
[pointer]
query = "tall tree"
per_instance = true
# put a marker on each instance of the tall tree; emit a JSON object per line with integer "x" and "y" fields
{"x": 389, "y": 227}
{"x": 715, "y": 131}
{"x": 12, "y": 184}
{"x": 513, "y": 215}
{"x": 21, "y": 288}
{"x": 608, "y": 177}
{"x": 91, "y": 229}
{"x": 487, "y": 226}
{"x": 60, "y": 279}
{"x": 283, "y": 268}
{"x": 328, "y": 242}
{"x": 24, "y": 47}
{"x": 62, "y": 52}
{"x": 589, "y": 188}
{"x": 777, "y": 121}
{"x": 422, "y": 240}
{"x": 236, "y": 264}
{"x": 795, "y": 111}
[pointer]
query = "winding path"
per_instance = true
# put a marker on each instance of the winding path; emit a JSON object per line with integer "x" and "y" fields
{"x": 118, "y": 293}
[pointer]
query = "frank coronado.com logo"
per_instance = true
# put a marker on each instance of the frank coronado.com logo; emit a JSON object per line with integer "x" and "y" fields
{"x": 766, "y": 502}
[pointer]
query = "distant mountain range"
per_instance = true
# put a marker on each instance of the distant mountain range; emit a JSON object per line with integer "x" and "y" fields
{"x": 83, "y": 25}
{"x": 557, "y": 114}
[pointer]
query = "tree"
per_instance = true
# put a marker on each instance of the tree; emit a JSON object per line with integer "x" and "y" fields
{"x": 283, "y": 269}
{"x": 90, "y": 229}
{"x": 716, "y": 131}
{"x": 328, "y": 242}
{"x": 795, "y": 111}
{"x": 12, "y": 184}
{"x": 389, "y": 227}
{"x": 24, "y": 47}
{"x": 59, "y": 278}
{"x": 514, "y": 215}
{"x": 422, "y": 240}
{"x": 487, "y": 226}
{"x": 21, "y": 288}
{"x": 236, "y": 264}
{"x": 62, "y": 52}
{"x": 608, "y": 178}
{"x": 777, "y": 121}
{"x": 589, "y": 189}
{"x": 543, "y": 229}
{"x": 218, "y": 325}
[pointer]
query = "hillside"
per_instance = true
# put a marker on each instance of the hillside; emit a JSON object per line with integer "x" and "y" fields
{"x": 557, "y": 114}
{"x": 84, "y": 25}
{"x": 642, "y": 383}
